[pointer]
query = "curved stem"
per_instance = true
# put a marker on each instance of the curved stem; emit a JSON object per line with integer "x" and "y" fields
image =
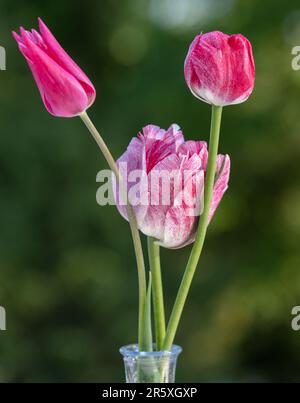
{"x": 157, "y": 292}
{"x": 131, "y": 217}
{"x": 202, "y": 228}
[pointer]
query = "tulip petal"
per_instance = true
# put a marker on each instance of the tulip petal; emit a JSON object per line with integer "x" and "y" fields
{"x": 152, "y": 132}
{"x": 243, "y": 62}
{"x": 181, "y": 199}
{"x": 182, "y": 221}
{"x": 191, "y": 147}
{"x": 178, "y": 229}
{"x": 61, "y": 92}
{"x": 130, "y": 161}
{"x": 22, "y": 46}
{"x": 221, "y": 182}
{"x": 57, "y": 53}
{"x": 161, "y": 197}
{"x": 159, "y": 144}
{"x": 175, "y": 131}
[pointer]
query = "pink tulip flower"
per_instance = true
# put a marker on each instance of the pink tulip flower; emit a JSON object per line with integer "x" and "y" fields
{"x": 65, "y": 90}
{"x": 156, "y": 153}
{"x": 219, "y": 69}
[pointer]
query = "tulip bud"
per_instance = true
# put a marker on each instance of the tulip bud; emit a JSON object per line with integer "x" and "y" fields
{"x": 65, "y": 90}
{"x": 219, "y": 69}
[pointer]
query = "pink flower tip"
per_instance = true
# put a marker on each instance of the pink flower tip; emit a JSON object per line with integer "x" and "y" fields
{"x": 65, "y": 89}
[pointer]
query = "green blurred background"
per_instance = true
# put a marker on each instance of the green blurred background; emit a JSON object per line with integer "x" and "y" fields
{"x": 67, "y": 271}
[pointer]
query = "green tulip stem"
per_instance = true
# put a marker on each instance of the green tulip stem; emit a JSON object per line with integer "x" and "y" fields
{"x": 201, "y": 232}
{"x": 131, "y": 218}
{"x": 157, "y": 292}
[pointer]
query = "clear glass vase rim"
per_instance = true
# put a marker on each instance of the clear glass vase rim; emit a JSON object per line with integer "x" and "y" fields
{"x": 132, "y": 350}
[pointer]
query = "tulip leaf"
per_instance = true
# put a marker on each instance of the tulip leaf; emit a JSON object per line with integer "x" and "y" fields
{"x": 146, "y": 344}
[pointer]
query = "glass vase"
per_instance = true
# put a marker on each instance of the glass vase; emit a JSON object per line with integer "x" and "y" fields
{"x": 150, "y": 367}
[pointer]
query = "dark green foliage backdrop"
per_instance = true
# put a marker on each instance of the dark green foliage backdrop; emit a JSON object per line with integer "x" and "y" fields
{"x": 67, "y": 270}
